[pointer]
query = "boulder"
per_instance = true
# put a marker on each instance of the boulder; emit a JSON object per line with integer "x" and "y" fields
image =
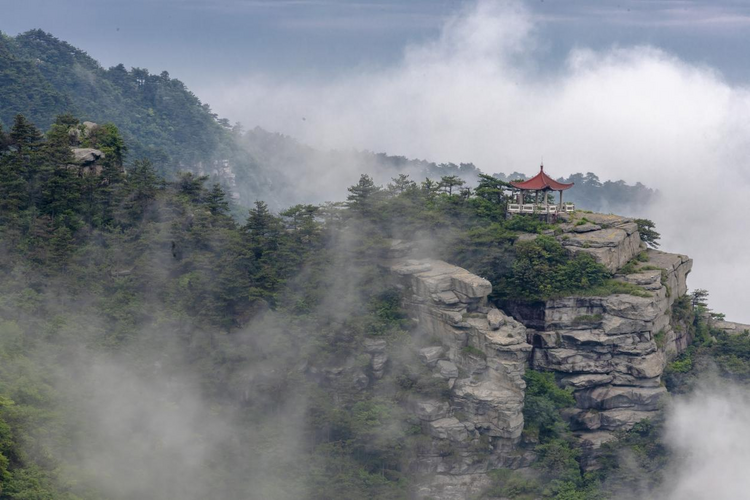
{"x": 496, "y": 319}
{"x": 87, "y": 156}
{"x": 378, "y": 361}
{"x": 586, "y": 380}
{"x": 375, "y": 345}
{"x": 430, "y": 355}
{"x": 447, "y": 369}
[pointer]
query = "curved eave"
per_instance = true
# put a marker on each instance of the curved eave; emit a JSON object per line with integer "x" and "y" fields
{"x": 542, "y": 182}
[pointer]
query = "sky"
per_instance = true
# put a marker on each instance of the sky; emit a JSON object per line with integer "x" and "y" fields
{"x": 202, "y": 41}
{"x": 650, "y": 91}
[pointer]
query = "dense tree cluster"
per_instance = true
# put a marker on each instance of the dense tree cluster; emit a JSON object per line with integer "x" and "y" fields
{"x": 263, "y": 313}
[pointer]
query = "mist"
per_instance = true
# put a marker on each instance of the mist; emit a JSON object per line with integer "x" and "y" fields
{"x": 708, "y": 432}
{"x": 479, "y": 93}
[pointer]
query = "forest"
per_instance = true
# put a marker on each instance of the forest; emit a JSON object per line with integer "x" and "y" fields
{"x": 158, "y": 341}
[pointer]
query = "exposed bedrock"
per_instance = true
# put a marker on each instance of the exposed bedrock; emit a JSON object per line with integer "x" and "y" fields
{"x": 611, "y": 350}
{"x": 610, "y": 239}
{"x": 481, "y": 353}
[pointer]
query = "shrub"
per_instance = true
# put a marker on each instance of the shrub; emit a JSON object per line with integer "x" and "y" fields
{"x": 542, "y": 405}
{"x": 473, "y": 351}
{"x": 587, "y": 318}
{"x": 660, "y": 338}
{"x": 527, "y": 224}
{"x": 543, "y": 269}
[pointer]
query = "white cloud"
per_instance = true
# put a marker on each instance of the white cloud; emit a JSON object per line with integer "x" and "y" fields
{"x": 709, "y": 433}
{"x": 476, "y": 93}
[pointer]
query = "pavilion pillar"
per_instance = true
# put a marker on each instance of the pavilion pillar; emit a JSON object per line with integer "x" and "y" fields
{"x": 560, "y": 209}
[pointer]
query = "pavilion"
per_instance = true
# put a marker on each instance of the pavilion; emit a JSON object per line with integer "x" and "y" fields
{"x": 540, "y": 183}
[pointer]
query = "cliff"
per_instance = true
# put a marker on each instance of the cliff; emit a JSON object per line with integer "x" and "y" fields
{"x": 610, "y": 351}
{"x": 481, "y": 354}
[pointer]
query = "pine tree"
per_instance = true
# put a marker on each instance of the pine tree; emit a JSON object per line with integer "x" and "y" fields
{"x": 19, "y": 168}
{"x": 4, "y": 140}
{"x": 647, "y": 230}
{"x": 259, "y": 220}
{"x": 401, "y": 184}
{"x": 492, "y": 189}
{"x": 216, "y": 201}
{"x": 141, "y": 189}
{"x": 24, "y": 136}
{"x": 361, "y": 194}
{"x": 191, "y": 186}
{"x": 449, "y": 182}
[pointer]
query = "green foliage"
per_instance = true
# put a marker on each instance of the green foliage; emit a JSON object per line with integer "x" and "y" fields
{"x": 660, "y": 338}
{"x": 587, "y": 318}
{"x": 648, "y": 233}
{"x": 449, "y": 183}
{"x": 634, "y": 264}
{"x": 473, "y": 351}
{"x": 542, "y": 269}
{"x": 732, "y": 354}
{"x": 636, "y": 463}
{"x": 262, "y": 314}
{"x": 362, "y": 195}
{"x": 683, "y": 364}
{"x": 527, "y": 224}
{"x": 159, "y": 117}
{"x": 511, "y": 484}
{"x": 542, "y": 405}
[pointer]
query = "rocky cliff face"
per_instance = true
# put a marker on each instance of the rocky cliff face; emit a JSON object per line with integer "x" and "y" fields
{"x": 610, "y": 239}
{"x": 481, "y": 354}
{"x": 609, "y": 350}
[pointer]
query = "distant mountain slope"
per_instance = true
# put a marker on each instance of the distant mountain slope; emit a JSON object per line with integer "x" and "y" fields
{"x": 25, "y": 90}
{"x": 161, "y": 119}
{"x": 309, "y": 175}
{"x": 43, "y": 77}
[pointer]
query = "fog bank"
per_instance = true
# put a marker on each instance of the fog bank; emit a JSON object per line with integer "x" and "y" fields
{"x": 709, "y": 431}
{"x": 477, "y": 94}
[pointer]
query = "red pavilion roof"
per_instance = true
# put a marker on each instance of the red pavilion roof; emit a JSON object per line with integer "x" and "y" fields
{"x": 540, "y": 182}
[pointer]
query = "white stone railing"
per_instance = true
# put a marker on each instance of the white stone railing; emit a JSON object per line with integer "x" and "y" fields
{"x": 530, "y": 208}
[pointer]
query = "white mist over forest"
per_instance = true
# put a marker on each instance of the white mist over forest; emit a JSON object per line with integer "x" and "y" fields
{"x": 708, "y": 432}
{"x": 478, "y": 94}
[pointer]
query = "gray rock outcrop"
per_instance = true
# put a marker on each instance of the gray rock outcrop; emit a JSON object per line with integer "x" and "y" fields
{"x": 610, "y": 239}
{"x": 482, "y": 355}
{"x": 86, "y": 156}
{"x": 87, "y": 161}
{"x": 611, "y": 350}
{"x": 731, "y": 327}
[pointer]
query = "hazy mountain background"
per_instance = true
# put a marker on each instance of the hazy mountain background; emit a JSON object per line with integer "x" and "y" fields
{"x": 162, "y": 120}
